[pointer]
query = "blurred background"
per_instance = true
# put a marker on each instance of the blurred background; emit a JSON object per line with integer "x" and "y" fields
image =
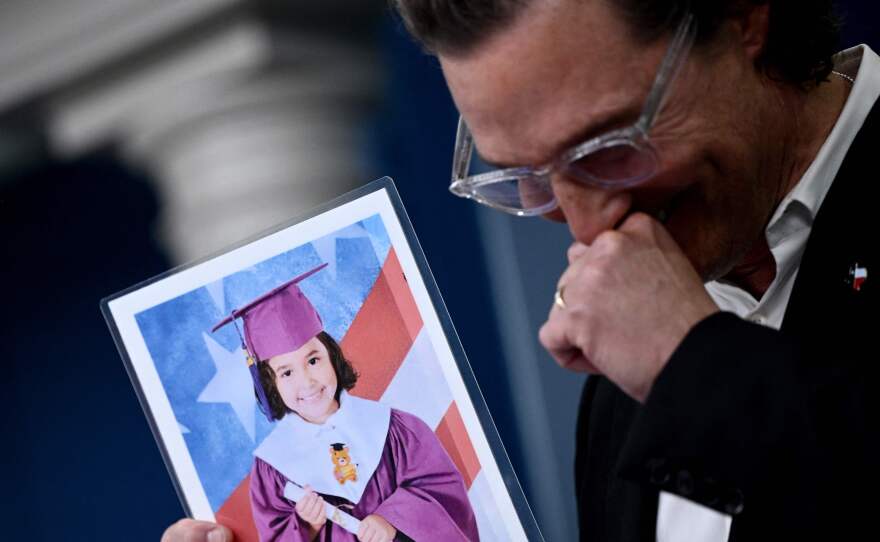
{"x": 138, "y": 135}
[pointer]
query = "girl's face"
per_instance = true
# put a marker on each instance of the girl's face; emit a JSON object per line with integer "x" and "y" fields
{"x": 306, "y": 381}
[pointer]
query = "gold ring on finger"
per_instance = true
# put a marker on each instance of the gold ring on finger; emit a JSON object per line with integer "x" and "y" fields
{"x": 558, "y": 300}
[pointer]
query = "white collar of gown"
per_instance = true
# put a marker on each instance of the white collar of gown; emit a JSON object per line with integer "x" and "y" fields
{"x": 302, "y": 451}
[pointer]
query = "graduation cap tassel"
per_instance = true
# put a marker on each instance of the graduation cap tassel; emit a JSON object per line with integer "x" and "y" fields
{"x": 255, "y": 373}
{"x": 258, "y": 386}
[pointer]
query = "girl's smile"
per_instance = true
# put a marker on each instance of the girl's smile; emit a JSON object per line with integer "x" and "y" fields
{"x": 312, "y": 397}
{"x": 306, "y": 381}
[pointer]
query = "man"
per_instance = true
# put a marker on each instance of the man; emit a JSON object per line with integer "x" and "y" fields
{"x": 708, "y": 158}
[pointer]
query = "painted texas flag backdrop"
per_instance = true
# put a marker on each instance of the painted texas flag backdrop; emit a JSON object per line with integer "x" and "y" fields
{"x": 365, "y": 303}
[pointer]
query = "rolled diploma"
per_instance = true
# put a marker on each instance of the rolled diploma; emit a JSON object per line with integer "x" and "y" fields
{"x": 337, "y": 516}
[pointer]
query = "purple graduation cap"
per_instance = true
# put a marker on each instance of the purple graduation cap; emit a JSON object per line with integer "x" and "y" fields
{"x": 279, "y": 321}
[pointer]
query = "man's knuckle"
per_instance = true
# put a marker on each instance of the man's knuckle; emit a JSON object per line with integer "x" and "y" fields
{"x": 642, "y": 221}
{"x": 544, "y": 335}
{"x": 581, "y": 317}
{"x": 610, "y": 242}
{"x": 591, "y": 276}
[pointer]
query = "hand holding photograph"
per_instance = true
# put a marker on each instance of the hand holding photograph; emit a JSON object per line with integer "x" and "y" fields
{"x": 309, "y": 385}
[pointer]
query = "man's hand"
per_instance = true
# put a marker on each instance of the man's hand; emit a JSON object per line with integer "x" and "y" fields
{"x": 190, "y": 530}
{"x": 374, "y": 528}
{"x": 631, "y": 297}
{"x": 311, "y": 509}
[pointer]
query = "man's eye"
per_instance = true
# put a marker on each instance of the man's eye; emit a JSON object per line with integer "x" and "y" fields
{"x": 313, "y": 361}
{"x": 285, "y": 374}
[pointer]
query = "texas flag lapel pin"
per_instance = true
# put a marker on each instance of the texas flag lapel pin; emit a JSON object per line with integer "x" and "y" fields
{"x": 857, "y": 276}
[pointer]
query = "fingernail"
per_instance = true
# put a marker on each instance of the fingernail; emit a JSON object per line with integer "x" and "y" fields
{"x": 216, "y": 535}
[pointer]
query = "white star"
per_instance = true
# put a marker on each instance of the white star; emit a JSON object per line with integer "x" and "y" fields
{"x": 326, "y": 246}
{"x": 231, "y": 384}
{"x": 218, "y": 295}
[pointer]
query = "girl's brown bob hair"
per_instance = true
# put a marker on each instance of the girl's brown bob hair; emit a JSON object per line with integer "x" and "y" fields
{"x": 346, "y": 376}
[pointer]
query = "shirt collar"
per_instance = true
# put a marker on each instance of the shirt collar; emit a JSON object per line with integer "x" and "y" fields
{"x": 789, "y": 228}
{"x": 863, "y": 65}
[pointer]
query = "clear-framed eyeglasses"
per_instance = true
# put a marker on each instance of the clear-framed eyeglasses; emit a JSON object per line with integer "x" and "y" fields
{"x": 618, "y": 159}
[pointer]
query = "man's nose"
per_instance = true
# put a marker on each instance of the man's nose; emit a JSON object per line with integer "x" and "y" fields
{"x": 588, "y": 210}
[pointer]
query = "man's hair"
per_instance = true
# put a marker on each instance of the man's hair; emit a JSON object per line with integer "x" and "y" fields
{"x": 346, "y": 376}
{"x": 802, "y": 34}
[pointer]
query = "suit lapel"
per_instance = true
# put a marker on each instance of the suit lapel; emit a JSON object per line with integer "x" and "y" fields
{"x": 843, "y": 237}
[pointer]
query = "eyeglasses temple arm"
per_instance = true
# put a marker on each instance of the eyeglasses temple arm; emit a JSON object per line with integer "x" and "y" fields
{"x": 464, "y": 147}
{"x": 672, "y": 63}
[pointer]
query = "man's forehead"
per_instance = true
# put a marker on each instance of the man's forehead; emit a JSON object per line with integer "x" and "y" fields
{"x": 547, "y": 80}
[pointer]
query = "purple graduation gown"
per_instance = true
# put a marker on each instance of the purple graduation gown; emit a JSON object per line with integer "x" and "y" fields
{"x": 416, "y": 488}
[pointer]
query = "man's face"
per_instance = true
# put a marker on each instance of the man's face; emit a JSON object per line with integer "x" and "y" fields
{"x": 566, "y": 71}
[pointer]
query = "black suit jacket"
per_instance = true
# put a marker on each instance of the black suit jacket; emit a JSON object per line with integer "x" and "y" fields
{"x": 777, "y": 428}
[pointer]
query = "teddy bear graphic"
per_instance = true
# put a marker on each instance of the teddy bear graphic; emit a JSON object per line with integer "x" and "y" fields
{"x": 343, "y": 468}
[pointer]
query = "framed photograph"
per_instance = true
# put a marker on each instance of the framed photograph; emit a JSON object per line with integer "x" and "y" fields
{"x": 309, "y": 383}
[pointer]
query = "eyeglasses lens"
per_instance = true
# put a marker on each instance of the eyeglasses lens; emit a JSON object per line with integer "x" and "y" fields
{"x": 517, "y": 193}
{"x": 619, "y": 163}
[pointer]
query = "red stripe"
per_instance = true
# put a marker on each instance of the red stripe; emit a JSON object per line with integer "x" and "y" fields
{"x": 236, "y": 513}
{"x": 383, "y": 331}
{"x": 455, "y": 439}
{"x": 403, "y": 297}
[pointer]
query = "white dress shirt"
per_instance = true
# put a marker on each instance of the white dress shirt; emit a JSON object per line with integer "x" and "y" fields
{"x": 681, "y": 520}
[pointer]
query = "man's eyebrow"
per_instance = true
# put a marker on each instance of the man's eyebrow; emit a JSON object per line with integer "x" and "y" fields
{"x": 615, "y": 120}
{"x": 312, "y": 353}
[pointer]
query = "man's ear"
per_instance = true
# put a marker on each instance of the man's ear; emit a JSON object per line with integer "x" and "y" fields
{"x": 754, "y": 24}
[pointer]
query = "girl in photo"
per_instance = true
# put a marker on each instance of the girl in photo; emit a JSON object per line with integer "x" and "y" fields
{"x": 383, "y": 466}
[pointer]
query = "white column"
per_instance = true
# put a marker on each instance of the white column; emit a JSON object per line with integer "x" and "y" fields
{"x": 238, "y": 152}
{"x": 246, "y": 113}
